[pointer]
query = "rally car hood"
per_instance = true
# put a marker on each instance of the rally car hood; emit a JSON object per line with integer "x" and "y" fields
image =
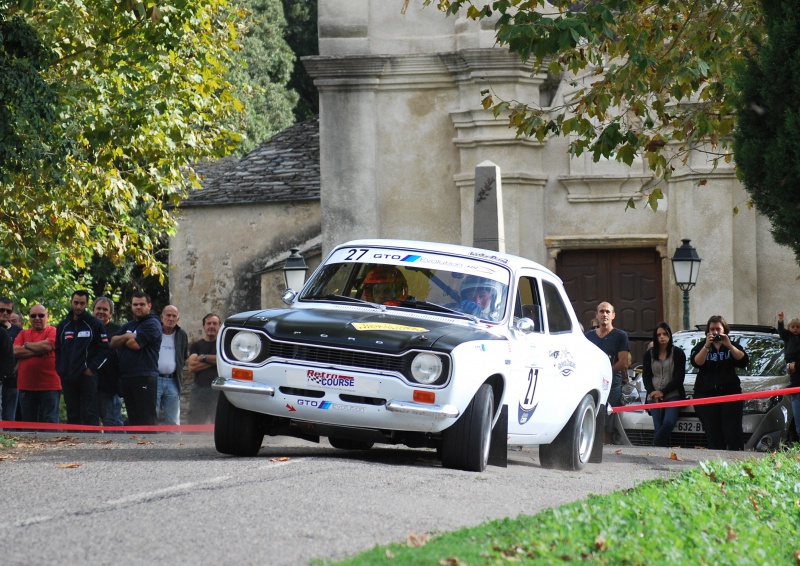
{"x": 380, "y": 331}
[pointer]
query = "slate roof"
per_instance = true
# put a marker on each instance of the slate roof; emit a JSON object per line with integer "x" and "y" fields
{"x": 283, "y": 168}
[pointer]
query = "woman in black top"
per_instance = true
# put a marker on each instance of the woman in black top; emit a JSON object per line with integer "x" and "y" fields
{"x": 717, "y": 359}
{"x": 663, "y": 370}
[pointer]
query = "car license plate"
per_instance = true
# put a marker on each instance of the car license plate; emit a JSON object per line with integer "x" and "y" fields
{"x": 689, "y": 426}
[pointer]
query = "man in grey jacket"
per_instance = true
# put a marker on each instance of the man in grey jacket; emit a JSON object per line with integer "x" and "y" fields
{"x": 171, "y": 359}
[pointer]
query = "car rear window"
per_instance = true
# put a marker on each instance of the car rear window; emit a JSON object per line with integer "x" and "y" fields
{"x": 765, "y": 352}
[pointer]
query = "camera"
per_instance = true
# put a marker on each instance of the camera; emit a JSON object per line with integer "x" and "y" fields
{"x": 716, "y": 338}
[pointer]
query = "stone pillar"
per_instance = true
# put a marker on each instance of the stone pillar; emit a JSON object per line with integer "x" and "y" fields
{"x": 488, "y": 229}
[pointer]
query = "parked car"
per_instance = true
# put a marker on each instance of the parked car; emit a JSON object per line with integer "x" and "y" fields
{"x": 766, "y": 421}
{"x": 421, "y": 344}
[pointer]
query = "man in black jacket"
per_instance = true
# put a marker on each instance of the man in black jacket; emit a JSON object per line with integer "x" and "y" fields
{"x": 139, "y": 342}
{"x": 81, "y": 350}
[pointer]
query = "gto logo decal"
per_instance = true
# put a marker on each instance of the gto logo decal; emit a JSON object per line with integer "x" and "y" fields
{"x": 328, "y": 406}
{"x": 526, "y": 404}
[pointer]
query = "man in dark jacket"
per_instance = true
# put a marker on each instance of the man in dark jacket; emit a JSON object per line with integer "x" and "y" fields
{"x": 139, "y": 342}
{"x": 81, "y": 350}
{"x": 109, "y": 402}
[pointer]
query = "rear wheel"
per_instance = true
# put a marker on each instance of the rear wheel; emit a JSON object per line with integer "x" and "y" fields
{"x": 236, "y": 431}
{"x": 571, "y": 449}
{"x": 465, "y": 445}
{"x": 347, "y": 444}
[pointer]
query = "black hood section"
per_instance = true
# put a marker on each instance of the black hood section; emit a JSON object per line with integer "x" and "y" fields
{"x": 332, "y": 327}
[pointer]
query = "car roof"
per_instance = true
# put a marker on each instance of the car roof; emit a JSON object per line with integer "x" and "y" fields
{"x": 755, "y": 328}
{"x": 511, "y": 261}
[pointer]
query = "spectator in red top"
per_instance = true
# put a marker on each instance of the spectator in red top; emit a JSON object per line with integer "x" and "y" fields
{"x": 38, "y": 383}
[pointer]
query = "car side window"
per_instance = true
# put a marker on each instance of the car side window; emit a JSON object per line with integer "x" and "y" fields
{"x": 529, "y": 304}
{"x": 558, "y": 319}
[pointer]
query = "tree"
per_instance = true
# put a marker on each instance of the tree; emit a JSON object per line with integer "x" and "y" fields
{"x": 261, "y": 73}
{"x": 139, "y": 97}
{"x": 652, "y": 78}
{"x": 302, "y": 37}
{"x": 765, "y": 142}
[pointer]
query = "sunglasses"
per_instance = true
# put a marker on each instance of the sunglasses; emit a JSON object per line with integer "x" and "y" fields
{"x": 6, "y": 311}
{"x": 39, "y": 315}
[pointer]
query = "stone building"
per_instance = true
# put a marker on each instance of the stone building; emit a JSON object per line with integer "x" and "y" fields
{"x": 402, "y": 129}
{"x": 234, "y": 235}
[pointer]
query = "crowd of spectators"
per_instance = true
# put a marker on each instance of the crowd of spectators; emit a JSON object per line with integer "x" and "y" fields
{"x": 107, "y": 374}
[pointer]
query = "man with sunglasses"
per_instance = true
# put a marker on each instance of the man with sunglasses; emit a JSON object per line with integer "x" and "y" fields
{"x": 10, "y": 393}
{"x": 39, "y": 384}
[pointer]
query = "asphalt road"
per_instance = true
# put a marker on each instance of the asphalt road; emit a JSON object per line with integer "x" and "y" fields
{"x": 159, "y": 498}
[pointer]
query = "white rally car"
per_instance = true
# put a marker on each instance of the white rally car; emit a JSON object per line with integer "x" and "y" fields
{"x": 429, "y": 345}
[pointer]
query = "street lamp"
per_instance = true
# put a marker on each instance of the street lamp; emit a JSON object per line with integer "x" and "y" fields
{"x": 294, "y": 270}
{"x": 686, "y": 266}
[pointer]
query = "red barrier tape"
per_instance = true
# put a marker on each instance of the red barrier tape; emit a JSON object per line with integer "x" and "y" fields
{"x": 706, "y": 400}
{"x": 89, "y": 428}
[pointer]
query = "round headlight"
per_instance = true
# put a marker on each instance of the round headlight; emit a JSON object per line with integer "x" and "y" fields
{"x": 426, "y": 368}
{"x": 245, "y": 346}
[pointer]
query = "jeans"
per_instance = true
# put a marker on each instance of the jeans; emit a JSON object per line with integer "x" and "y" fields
{"x": 663, "y": 422}
{"x": 80, "y": 398}
{"x": 40, "y": 406}
{"x": 202, "y": 404}
{"x": 168, "y": 400}
{"x": 614, "y": 399}
{"x": 140, "y": 399}
{"x": 9, "y": 403}
{"x": 795, "y": 399}
{"x": 109, "y": 405}
{"x": 723, "y": 424}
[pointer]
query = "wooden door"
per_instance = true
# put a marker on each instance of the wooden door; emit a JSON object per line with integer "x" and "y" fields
{"x": 628, "y": 279}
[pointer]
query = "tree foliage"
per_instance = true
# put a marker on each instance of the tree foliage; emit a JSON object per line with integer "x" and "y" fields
{"x": 652, "y": 78}
{"x": 264, "y": 66}
{"x": 136, "y": 95}
{"x": 766, "y": 143}
{"x": 302, "y": 37}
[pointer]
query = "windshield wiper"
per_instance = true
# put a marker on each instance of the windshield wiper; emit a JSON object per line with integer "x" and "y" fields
{"x": 436, "y": 307}
{"x": 341, "y": 298}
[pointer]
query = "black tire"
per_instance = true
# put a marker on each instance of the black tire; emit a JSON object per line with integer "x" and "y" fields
{"x": 465, "y": 445}
{"x": 572, "y": 448}
{"x": 236, "y": 431}
{"x": 347, "y": 444}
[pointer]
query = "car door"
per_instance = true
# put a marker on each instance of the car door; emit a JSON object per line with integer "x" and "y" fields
{"x": 533, "y": 372}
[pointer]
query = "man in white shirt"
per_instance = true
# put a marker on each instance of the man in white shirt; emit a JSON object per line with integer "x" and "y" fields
{"x": 171, "y": 359}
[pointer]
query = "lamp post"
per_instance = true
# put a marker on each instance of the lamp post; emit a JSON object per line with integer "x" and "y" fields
{"x": 294, "y": 270}
{"x": 686, "y": 266}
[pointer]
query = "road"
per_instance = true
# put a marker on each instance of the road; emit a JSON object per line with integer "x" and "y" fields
{"x": 167, "y": 498}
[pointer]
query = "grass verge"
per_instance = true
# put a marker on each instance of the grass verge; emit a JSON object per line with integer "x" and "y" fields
{"x": 719, "y": 513}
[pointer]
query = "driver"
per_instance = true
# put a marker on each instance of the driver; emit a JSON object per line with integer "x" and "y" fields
{"x": 479, "y": 297}
{"x": 384, "y": 284}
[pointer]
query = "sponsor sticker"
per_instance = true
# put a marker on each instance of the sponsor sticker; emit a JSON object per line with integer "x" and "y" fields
{"x": 328, "y": 406}
{"x": 327, "y": 379}
{"x": 387, "y": 326}
{"x": 84, "y": 334}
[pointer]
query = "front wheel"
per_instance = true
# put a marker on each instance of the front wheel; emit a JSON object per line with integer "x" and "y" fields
{"x": 571, "y": 449}
{"x": 236, "y": 431}
{"x": 465, "y": 445}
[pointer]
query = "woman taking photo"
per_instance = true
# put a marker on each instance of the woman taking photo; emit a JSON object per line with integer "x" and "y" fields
{"x": 717, "y": 359}
{"x": 663, "y": 370}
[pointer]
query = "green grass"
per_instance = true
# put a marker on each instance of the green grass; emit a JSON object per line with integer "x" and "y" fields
{"x": 719, "y": 513}
{"x": 7, "y": 441}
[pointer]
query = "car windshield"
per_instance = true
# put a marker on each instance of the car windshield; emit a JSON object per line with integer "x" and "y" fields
{"x": 765, "y": 352}
{"x": 418, "y": 280}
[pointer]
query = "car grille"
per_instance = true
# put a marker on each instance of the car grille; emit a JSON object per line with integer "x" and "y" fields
{"x": 334, "y": 356}
{"x": 682, "y": 439}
